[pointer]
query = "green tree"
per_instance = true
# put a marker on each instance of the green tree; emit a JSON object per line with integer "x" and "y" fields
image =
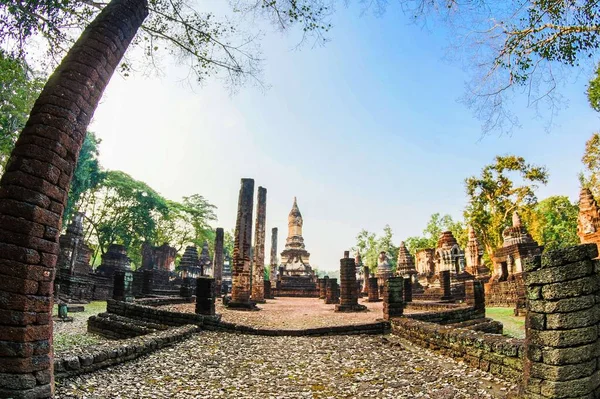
{"x": 370, "y": 246}
{"x": 87, "y": 174}
{"x": 122, "y": 210}
{"x": 591, "y": 161}
{"x": 186, "y": 223}
{"x": 228, "y": 242}
{"x": 202, "y": 40}
{"x": 511, "y": 47}
{"x": 495, "y": 194}
{"x": 19, "y": 88}
{"x": 554, "y": 223}
{"x": 435, "y": 227}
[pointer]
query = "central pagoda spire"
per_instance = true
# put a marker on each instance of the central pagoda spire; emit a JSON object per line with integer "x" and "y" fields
{"x": 295, "y": 222}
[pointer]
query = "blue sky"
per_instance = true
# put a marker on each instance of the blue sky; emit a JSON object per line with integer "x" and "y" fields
{"x": 365, "y": 131}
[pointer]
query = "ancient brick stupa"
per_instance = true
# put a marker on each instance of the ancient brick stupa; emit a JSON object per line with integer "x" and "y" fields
{"x": 588, "y": 222}
{"x": 405, "y": 267}
{"x": 518, "y": 245}
{"x": 189, "y": 266}
{"x": 75, "y": 255}
{"x": 474, "y": 257}
{"x": 297, "y": 274}
{"x": 205, "y": 261}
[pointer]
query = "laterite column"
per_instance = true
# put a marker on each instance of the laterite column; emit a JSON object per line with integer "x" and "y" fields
{"x": 218, "y": 260}
{"x": 561, "y": 335}
{"x": 393, "y": 304}
{"x": 258, "y": 266}
{"x": 240, "y": 289}
{"x": 205, "y": 296}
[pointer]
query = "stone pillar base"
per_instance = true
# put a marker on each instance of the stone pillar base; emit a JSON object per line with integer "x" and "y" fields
{"x": 242, "y": 305}
{"x": 350, "y": 308}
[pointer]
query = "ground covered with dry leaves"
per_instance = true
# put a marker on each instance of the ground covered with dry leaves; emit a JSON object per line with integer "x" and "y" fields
{"x": 224, "y": 365}
{"x": 292, "y": 314}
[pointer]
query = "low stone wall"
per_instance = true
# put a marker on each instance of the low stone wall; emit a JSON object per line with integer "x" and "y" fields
{"x": 356, "y": 329}
{"x": 505, "y": 293}
{"x": 114, "y": 352}
{"x": 298, "y": 293}
{"x": 497, "y": 354}
{"x": 161, "y": 301}
{"x": 450, "y": 316}
{"x": 432, "y": 306}
{"x": 118, "y": 327}
{"x": 153, "y": 315}
{"x": 88, "y": 287}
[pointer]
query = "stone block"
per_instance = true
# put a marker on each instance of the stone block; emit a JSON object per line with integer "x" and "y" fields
{"x": 567, "y": 272}
{"x": 565, "y": 256}
{"x": 569, "y": 389}
{"x": 570, "y": 355}
{"x": 565, "y": 338}
{"x": 562, "y": 305}
{"x": 581, "y": 318}
{"x": 563, "y": 372}
{"x": 573, "y": 288}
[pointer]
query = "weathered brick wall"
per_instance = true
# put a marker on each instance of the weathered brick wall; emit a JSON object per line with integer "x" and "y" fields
{"x": 296, "y": 293}
{"x": 88, "y": 287}
{"x": 450, "y": 316}
{"x": 562, "y": 358}
{"x": 505, "y": 293}
{"x": 162, "y": 301}
{"x": 497, "y": 354}
{"x": 112, "y": 353}
{"x": 433, "y": 306}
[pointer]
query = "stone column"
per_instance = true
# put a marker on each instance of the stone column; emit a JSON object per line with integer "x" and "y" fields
{"x": 373, "y": 293}
{"x": 475, "y": 294}
{"x": 348, "y": 288}
{"x": 393, "y": 304}
{"x": 205, "y": 296}
{"x": 332, "y": 294}
{"x": 218, "y": 260}
{"x": 273, "y": 263}
{"x": 187, "y": 287}
{"x": 258, "y": 268}
{"x": 366, "y": 274}
{"x": 445, "y": 283}
{"x": 323, "y": 287}
{"x": 148, "y": 282}
{"x": 123, "y": 286}
{"x": 407, "y": 290}
{"x": 561, "y": 335}
{"x": 268, "y": 294}
{"x": 240, "y": 286}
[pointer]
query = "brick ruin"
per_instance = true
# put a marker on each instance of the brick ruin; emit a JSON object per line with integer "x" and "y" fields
{"x": 258, "y": 266}
{"x": 218, "y": 261}
{"x": 241, "y": 271}
{"x": 75, "y": 279}
{"x": 160, "y": 261}
{"x": 273, "y": 262}
{"x": 348, "y": 287}
{"x": 588, "y": 221}
{"x": 474, "y": 258}
{"x": 405, "y": 267}
{"x": 506, "y": 284}
{"x": 384, "y": 270}
{"x": 296, "y": 277}
{"x": 190, "y": 270}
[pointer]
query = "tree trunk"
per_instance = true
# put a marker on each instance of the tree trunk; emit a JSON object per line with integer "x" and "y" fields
{"x": 33, "y": 195}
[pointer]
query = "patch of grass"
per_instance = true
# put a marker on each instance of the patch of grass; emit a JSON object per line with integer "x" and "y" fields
{"x": 514, "y": 326}
{"x": 91, "y": 309}
{"x": 66, "y": 341}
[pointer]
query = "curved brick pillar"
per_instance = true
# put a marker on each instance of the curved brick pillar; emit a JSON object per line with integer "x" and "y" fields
{"x": 240, "y": 285}
{"x": 218, "y": 260}
{"x": 258, "y": 266}
{"x": 33, "y": 193}
{"x": 561, "y": 336}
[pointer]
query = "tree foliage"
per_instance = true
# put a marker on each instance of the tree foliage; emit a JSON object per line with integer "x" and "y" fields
{"x": 553, "y": 223}
{"x": 496, "y": 193}
{"x": 517, "y": 46}
{"x": 435, "y": 227}
{"x": 369, "y": 245}
{"x": 198, "y": 39}
{"x": 87, "y": 174}
{"x": 19, "y": 88}
{"x": 591, "y": 161}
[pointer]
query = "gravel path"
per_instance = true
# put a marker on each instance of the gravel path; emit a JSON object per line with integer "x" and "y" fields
{"x": 292, "y": 314}
{"x": 222, "y": 365}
